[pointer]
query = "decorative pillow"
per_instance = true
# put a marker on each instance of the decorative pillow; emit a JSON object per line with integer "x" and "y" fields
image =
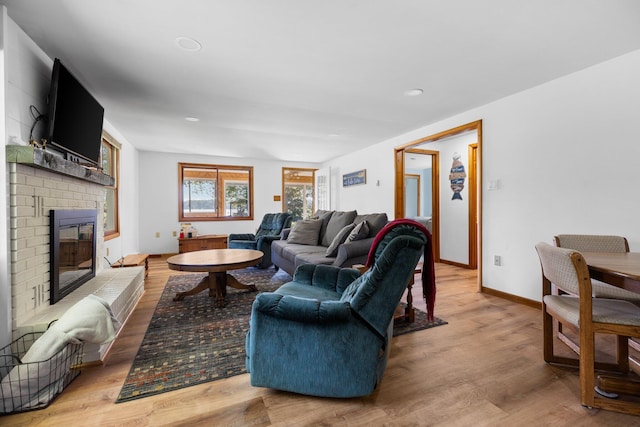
{"x": 336, "y": 223}
{"x": 340, "y": 238}
{"x": 305, "y": 232}
{"x": 361, "y": 231}
{"x": 375, "y": 221}
{"x": 323, "y": 216}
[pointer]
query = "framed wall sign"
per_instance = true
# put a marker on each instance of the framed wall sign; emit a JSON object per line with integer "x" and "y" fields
{"x": 354, "y": 178}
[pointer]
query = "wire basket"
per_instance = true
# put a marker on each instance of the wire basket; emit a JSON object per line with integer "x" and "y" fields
{"x": 33, "y": 385}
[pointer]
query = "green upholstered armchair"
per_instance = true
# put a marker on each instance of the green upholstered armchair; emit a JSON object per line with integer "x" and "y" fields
{"x": 327, "y": 333}
{"x": 269, "y": 230}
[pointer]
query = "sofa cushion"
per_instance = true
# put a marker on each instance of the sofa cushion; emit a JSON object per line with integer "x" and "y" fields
{"x": 376, "y": 222}
{"x": 359, "y": 232}
{"x": 291, "y": 251}
{"x": 316, "y": 258}
{"x": 305, "y": 232}
{"x": 336, "y": 223}
{"x": 342, "y": 235}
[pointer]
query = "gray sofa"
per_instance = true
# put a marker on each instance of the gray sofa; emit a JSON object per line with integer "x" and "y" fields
{"x": 340, "y": 238}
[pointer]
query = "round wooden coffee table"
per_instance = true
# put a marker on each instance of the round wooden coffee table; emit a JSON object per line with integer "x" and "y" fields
{"x": 216, "y": 262}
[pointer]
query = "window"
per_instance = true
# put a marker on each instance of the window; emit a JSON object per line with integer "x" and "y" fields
{"x": 110, "y": 162}
{"x": 215, "y": 192}
{"x": 297, "y": 187}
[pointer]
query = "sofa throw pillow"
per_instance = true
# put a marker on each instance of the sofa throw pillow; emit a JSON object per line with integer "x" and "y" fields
{"x": 305, "y": 232}
{"x": 361, "y": 231}
{"x": 340, "y": 238}
{"x": 375, "y": 221}
{"x": 323, "y": 216}
{"x": 336, "y": 223}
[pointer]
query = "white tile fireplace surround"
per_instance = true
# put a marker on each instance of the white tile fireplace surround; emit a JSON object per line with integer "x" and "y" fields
{"x": 33, "y": 192}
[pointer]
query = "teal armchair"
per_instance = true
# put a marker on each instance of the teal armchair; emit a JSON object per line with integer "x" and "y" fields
{"x": 327, "y": 333}
{"x": 270, "y": 228}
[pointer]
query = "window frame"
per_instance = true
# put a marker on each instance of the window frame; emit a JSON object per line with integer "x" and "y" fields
{"x": 220, "y": 192}
{"x": 115, "y": 148}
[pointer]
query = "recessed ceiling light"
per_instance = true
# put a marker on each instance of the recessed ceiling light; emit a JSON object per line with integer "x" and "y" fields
{"x": 188, "y": 44}
{"x": 414, "y": 92}
{"x": 192, "y": 119}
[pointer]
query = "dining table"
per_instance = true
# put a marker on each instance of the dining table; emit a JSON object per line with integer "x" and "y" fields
{"x": 620, "y": 269}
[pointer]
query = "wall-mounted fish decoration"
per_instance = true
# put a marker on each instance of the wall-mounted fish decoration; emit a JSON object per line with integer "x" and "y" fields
{"x": 457, "y": 177}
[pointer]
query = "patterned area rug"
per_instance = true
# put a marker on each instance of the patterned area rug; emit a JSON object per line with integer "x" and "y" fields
{"x": 192, "y": 341}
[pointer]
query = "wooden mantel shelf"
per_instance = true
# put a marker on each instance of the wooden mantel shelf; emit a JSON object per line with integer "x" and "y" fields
{"x": 42, "y": 159}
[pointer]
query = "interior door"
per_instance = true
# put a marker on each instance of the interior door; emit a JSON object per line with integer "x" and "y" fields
{"x": 323, "y": 189}
{"x": 456, "y": 212}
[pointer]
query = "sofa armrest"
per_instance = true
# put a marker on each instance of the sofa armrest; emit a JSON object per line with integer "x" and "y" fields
{"x": 244, "y": 236}
{"x": 284, "y": 235}
{"x": 267, "y": 239}
{"x": 355, "y": 249}
{"x": 303, "y": 310}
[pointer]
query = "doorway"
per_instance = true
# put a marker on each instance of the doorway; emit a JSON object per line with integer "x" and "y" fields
{"x": 452, "y": 161}
{"x": 297, "y": 188}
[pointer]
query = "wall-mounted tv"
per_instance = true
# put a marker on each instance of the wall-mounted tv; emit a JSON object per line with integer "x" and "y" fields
{"x": 75, "y": 117}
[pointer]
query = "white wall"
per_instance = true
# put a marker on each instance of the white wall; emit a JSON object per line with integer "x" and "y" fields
{"x": 566, "y": 155}
{"x": 376, "y": 196}
{"x": 454, "y": 214}
{"x": 159, "y": 197}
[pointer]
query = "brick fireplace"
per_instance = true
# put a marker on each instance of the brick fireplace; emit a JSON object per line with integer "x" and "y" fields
{"x": 34, "y": 191}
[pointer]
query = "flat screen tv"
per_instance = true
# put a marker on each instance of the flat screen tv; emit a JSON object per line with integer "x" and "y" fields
{"x": 75, "y": 117}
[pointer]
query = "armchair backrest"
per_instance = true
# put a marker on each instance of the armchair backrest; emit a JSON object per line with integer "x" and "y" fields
{"x": 273, "y": 223}
{"x": 592, "y": 242}
{"x": 375, "y": 295}
{"x": 565, "y": 268}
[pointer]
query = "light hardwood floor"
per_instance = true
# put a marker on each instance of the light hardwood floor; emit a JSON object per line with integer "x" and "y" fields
{"x": 484, "y": 368}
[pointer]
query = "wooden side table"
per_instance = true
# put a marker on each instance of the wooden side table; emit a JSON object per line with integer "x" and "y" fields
{"x": 202, "y": 243}
{"x": 134, "y": 260}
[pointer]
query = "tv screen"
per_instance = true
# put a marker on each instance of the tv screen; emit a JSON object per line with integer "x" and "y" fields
{"x": 75, "y": 117}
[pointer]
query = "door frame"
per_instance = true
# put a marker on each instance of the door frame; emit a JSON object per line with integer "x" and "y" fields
{"x": 475, "y": 197}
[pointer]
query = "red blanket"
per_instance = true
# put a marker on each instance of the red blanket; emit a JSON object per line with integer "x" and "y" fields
{"x": 428, "y": 270}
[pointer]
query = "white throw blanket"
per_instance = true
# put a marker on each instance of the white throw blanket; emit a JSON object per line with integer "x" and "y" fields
{"x": 41, "y": 375}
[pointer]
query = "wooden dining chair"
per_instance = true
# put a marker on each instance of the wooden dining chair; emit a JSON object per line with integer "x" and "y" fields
{"x": 567, "y": 270}
{"x": 597, "y": 243}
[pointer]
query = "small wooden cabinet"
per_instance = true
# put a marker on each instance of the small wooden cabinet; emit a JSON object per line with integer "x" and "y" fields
{"x": 201, "y": 243}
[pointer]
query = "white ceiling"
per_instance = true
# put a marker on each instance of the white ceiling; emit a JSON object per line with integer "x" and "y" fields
{"x": 303, "y": 80}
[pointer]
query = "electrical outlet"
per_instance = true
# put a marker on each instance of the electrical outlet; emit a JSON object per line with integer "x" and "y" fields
{"x": 107, "y": 251}
{"x": 497, "y": 260}
{"x": 157, "y": 234}
{"x": 175, "y": 233}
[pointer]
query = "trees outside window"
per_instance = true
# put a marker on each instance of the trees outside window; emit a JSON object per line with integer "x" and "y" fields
{"x": 297, "y": 188}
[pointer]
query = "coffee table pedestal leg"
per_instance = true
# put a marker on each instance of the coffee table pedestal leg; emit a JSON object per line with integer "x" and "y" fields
{"x": 204, "y": 284}
{"x": 216, "y": 283}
